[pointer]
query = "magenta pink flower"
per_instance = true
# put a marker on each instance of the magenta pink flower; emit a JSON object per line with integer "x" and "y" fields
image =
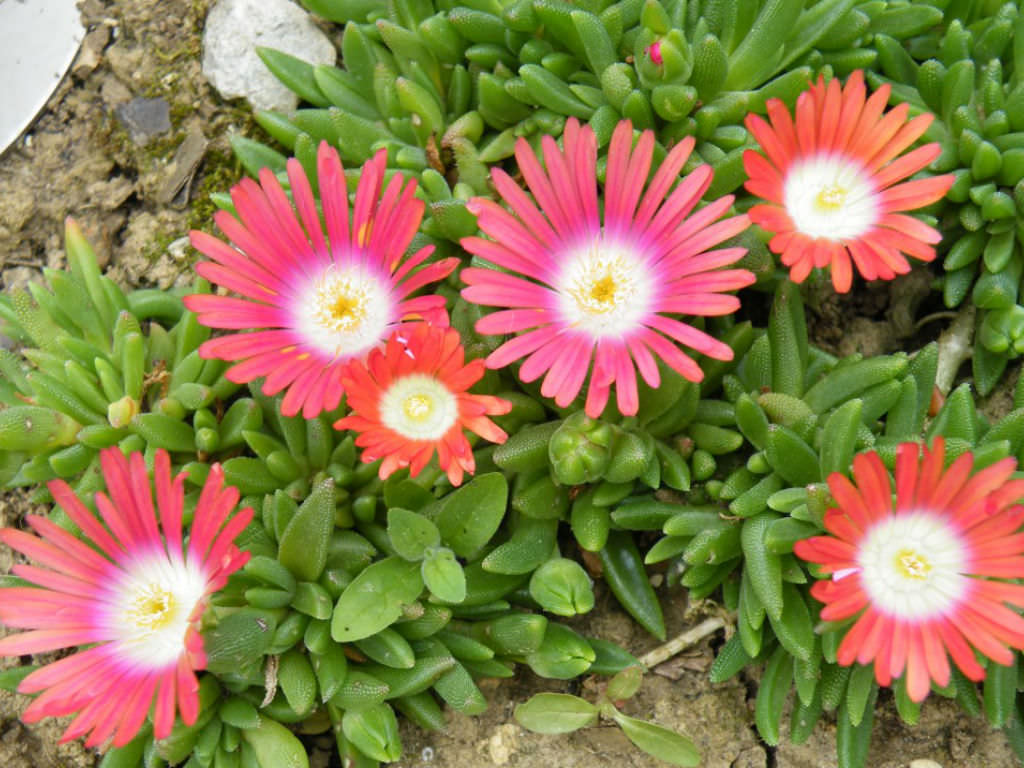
{"x": 132, "y": 591}
{"x": 318, "y": 302}
{"x": 604, "y": 287}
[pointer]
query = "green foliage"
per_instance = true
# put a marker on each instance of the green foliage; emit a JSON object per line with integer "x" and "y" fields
{"x": 447, "y": 89}
{"x": 364, "y": 596}
{"x": 561, "y": 713}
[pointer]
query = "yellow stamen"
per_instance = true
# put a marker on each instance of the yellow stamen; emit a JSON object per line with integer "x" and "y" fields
{"x": 912, "y": 565}
{"x": 600, "y": 295}
{"x": 418, "y": 407}
{"x": 345, "y": 307}
{"x": 153, "y": 609}
{"x": 831, "y": 198}
{"x": 341, "y": 303}
{"x": 603, "y": 291}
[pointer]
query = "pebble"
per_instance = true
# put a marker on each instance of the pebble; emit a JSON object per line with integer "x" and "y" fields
{"x": 114, "y": 92}
{"x": 503, "y": 744}
{"x": 234, "y": 28}
{"x": 17, "y": 279}
{"x": 91, "y": 52}
{"x": 183, "y": 167}
{"x": 144, "y": 119}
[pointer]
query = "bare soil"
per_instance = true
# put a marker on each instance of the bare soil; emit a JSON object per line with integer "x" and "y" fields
{"x": 79, "y": 160}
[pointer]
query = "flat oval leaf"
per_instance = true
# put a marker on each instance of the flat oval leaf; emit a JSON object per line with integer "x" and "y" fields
{"x": 626, "y": 683}
{"x": 656, "y": 740}
{"x": 555, "y": 713}
{"x": 562, "y": 655}
{"x": 275, "y": 746}
{"x": 562, "y": 586}
{"x": 411, "y": 534}
{"x": 470, "y": 516}
{"x": 406, "y": 494}
{"x": 375, "y": 598}
{"x": 374, "y": 730}
{"x": 444, "y": 577}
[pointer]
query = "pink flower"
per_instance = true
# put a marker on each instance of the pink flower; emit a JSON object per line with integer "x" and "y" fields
{"x": 132, "y": 592}
{"x": 922, "y": 577}
{"x": 319, "y": 302}
{"x": 604, "y": 287}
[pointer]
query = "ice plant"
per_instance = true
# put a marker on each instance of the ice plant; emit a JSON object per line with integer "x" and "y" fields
{"x": 833, "y": 182}
{"x": 603, "y": 283}
{"x": 133, "y": 592}
{"x": 318, "y": 302}
{"x": 410, "y": 400}
{"x": 921, "y": 576}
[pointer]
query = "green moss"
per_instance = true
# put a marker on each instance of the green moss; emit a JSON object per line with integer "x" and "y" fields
{"x": 220, "y": 171}
{"x": 158, "y": 246}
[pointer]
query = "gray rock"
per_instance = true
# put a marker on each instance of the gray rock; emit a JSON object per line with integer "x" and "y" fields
{"x": 233, "y": 30}
{"x": 144, "y": 118}
{"x": 18, "y": 278}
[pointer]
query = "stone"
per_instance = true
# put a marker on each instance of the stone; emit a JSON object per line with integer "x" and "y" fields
{"x": 503, "y": 743}
{"x": 18, "y": 278}
{"x": 125, "y": 61}
{"x": 114, "y": 92}
{"x": 110, "y": 193}
{"x": 183, "y": 167}
{"x": 91, "y": 51}
{"x": 234, "y": 28}
{"x": 144, "y": 119}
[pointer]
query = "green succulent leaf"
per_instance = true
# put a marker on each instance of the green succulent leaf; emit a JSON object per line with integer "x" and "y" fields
{"x": 555, "y": 713}
{"x": 375, "y": 599}
{"x": 443, "y": 575}
{"x": 659, "y": 741}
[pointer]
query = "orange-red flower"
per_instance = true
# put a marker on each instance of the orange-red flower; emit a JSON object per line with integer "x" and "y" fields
{"x": 922, "y": 576}
{"x": 833, "y": 182}
{"x": 410, "y": 399}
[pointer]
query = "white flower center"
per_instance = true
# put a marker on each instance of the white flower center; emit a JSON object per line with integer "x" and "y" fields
{"x": 150, "y": 609}
{"x": 830, "y": 196}
{"x": 419, "y": 407}
{"x": 605, "y": 288}
{"x": 345, "y": 311}
{"x": 912, "y": 565}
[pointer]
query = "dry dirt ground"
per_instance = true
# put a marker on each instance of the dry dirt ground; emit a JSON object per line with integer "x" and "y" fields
{"x": 79, "y": 160}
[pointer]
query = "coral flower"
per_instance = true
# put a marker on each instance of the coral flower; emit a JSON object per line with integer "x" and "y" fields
{"x": 918, "y": 575}
{"x": 604, "y": 287}
{"x": 410, "y": 399}
{"x": 132, "y": 591}
{"x": 321, "y": 302}
{"x": 829, "y": 180}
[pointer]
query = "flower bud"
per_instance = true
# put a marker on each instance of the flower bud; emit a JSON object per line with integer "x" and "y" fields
{"x": 580, "y": 449}
{"x": 121, "y": 412}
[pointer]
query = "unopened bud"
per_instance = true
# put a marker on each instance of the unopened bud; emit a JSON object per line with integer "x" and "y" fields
{"x": 121, "y": 412}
